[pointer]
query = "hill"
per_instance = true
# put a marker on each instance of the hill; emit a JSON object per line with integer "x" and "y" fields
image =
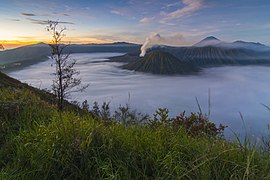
{"x": 210, "y": 51}
{"x": 209, "y": 55}
{"x": 25, "y": 53}
{"x": 12, "y": 84}
{"x": 158, "y": 62}
{"x": 215, "y": 42}
{"x": 183, "y": 60}
{"x": 31, "y": 54}
{"x": 249, "y": 45}
{"x": 23, "y": 56}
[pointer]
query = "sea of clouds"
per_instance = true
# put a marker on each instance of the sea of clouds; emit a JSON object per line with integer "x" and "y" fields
{"x": 233, "y": 90}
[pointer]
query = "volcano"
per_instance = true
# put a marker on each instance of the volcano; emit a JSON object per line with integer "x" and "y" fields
{"x": 159, "y": 62}
{"x": 208, "y": 41}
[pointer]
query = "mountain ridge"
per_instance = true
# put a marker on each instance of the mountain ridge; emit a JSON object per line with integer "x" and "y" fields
{"x": 215, "y": 42}
{"x": 34, "y": 53}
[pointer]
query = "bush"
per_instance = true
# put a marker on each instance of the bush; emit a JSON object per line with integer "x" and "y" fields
{"x": 195, "y": 124}
{"x": 198, "y": 124}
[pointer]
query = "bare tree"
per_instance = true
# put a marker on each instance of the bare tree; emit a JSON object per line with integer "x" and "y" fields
{"x": 65, "y": 81}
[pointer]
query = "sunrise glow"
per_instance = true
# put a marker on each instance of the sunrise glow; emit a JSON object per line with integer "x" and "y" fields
{"x": 24, "y": 22}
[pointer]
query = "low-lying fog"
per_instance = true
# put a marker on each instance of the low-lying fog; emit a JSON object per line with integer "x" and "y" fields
{"x": 233, "y": 89}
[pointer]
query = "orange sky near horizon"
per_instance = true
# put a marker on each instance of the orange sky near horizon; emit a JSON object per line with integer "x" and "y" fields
{"x": 16, "y": 43}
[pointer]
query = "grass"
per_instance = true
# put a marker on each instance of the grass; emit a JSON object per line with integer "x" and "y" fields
{"x": 37, "y": 142}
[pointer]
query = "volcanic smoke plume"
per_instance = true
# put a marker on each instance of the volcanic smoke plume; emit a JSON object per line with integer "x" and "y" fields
{"x": 157, "y": 39}
{"x": 153, "y": 39}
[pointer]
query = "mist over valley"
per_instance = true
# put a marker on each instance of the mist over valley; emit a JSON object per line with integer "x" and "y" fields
{"x": 233, "y": 90}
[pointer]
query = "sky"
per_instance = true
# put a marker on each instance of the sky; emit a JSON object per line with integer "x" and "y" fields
{"x": 185, "y": 22}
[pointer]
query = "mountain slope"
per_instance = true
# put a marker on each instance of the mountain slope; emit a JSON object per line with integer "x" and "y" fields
{"x": 39, "y": 51}
{"x": 158, "y": 62}
{"x": 15, "y": 59}
{"x": 25, "y": 53}
{"x": 217, "y": 54}
{"x": 7, "y": 82}
{"x": 215, "y": 42}
{"x": 210, "y": 55}
{"x": 249, "y": 45}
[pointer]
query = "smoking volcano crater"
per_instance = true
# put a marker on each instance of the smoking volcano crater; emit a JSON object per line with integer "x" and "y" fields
{"x": 160, "y": 62}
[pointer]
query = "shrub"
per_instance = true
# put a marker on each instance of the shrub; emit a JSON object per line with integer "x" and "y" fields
{"x": 198, "y": 124}
{"x": 195, "y": 124}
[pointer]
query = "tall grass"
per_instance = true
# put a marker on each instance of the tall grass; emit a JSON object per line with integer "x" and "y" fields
{"x": 40, "y": 143}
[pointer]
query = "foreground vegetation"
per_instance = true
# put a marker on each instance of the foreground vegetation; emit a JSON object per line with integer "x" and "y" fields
{"x": 38, "y": 142}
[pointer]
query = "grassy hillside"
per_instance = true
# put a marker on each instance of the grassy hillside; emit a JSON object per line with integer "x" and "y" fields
{"x": 8, "y": 83}
{"x": 38, "y": 142}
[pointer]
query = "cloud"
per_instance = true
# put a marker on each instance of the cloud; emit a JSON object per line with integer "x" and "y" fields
{"x": 117, "y": 12}
{"x": 15, "y": 20}
{"x": 67, "y": 7}
{"x": 173, "y": 4}
{"x": 28, "y": 14}
{"x": 190, "y": 6}
{"x": 45, "y": 22}
{"x": 34, "y": 15}
{"x": 147, "y": 20}
{"x": 56, "y": 14}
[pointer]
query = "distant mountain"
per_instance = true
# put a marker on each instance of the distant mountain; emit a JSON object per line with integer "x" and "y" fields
{"x": 250, "y": 45}
{"x": 31, "y": 54}
{"x": 25, "y": 53}
{"x": 159, "y": 62}
{"x": 114, "y": 44}
{"x": 210, "y": 51}
{"x": 215, "y": 42}
{"x": 198, "y": 56}
{"x": 208, "y": 41}
{"x": 124, "y": 44}
{"x": 112, "y": 47}
{"x": 210, "y": 55}
{"x": 41, "y": 44}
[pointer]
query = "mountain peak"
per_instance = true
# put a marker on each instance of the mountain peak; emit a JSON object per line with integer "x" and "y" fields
{"x": 215, "y": 42}
{"x": 208, "y": 41}
{"x": 210, "y": 38}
